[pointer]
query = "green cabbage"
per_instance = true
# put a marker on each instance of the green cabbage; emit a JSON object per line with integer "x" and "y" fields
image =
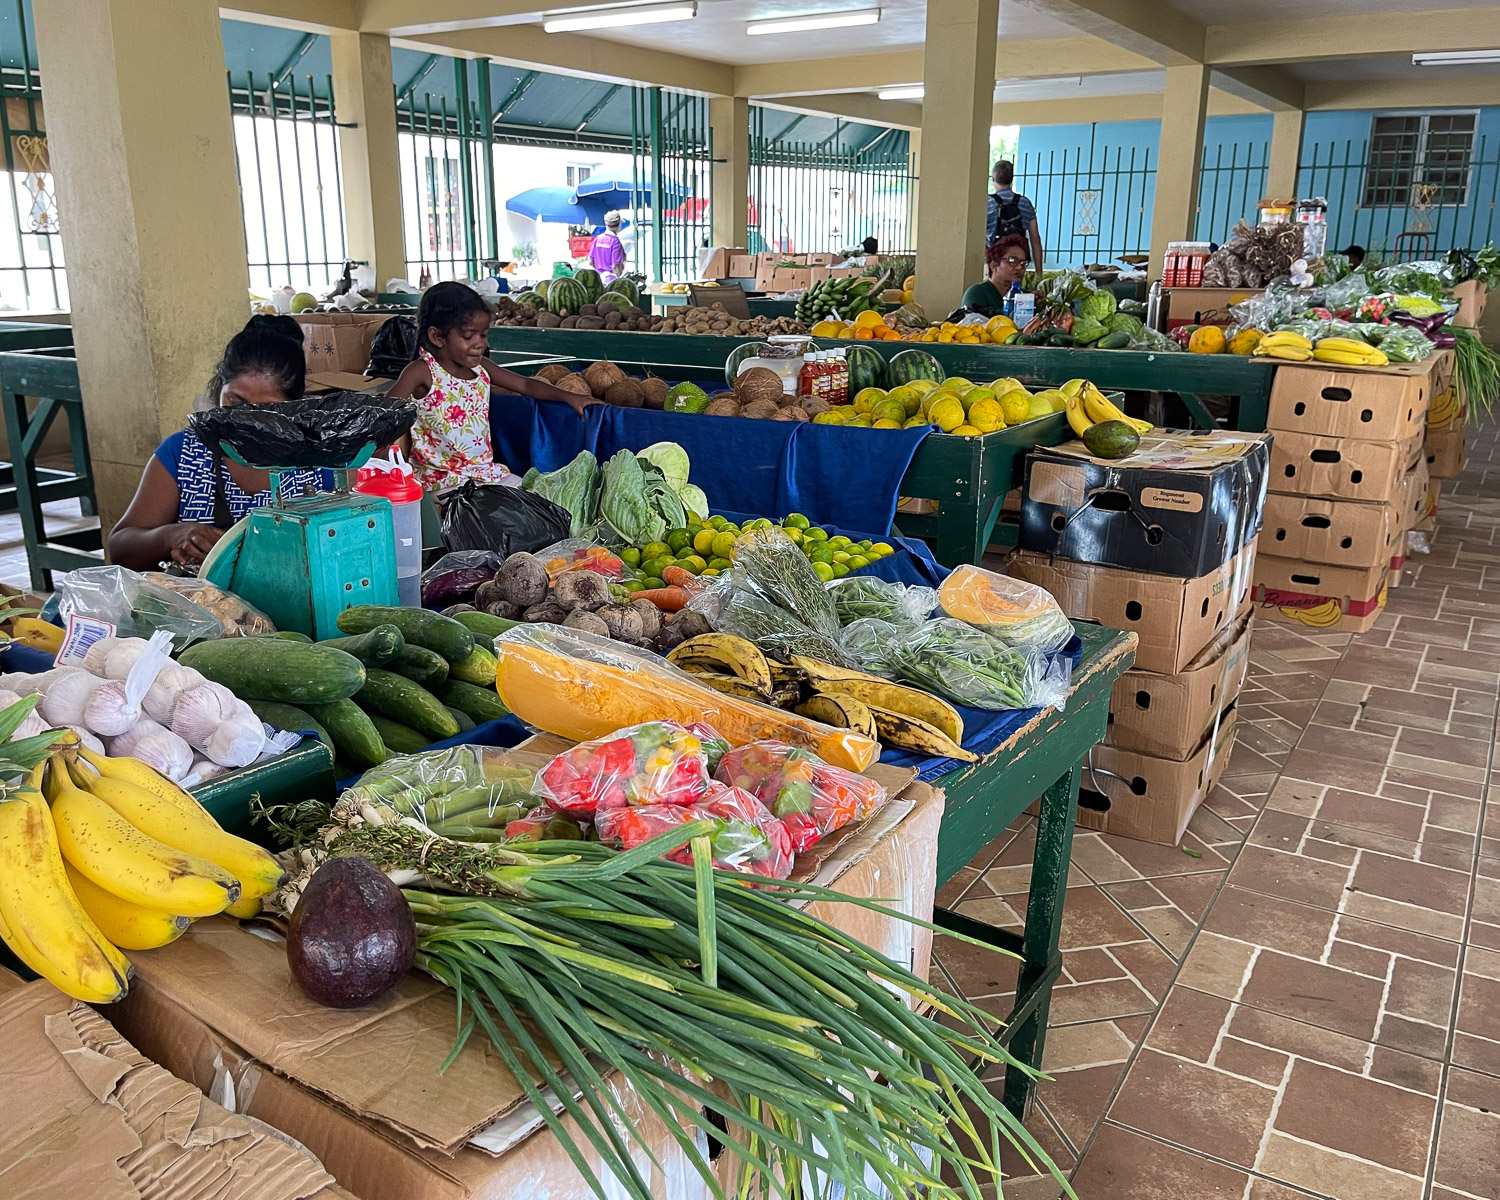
{"x": 694, "y": 500}
{"x": 574, "y": 487}
{"x": 671, "y": 459}
{"x": 624, "y": 504}
{"x": 1123, "y": 322}
{"x": 1087, "y": 329}
{"x": 1098, "y": 304}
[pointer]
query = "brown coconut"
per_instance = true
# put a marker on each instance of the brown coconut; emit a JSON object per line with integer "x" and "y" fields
{"x": 758, "y": 383}
{"x": 575, "y": 383}
{"x": 552, "y": 372}
{"x": 626, "y": 393}
{"x": 602, "y": 376}
{"x": 790, "y": 414}
{"x": 724, "y": 406}
{"x": 759, "y": 410}
{"x": 655, "y": 390}
{"x": 815, "y": 406}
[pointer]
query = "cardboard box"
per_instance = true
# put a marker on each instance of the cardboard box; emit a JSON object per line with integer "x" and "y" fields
{"x": 1320, "y": 597}
{"x": 1173, "y": 618}
{"x": 1341, "y": 533}
{"x": 1168, "y": 715}
{"x": 1183, "y": 504}
{"x": 87, "y": 1115}
{"x": 765, "y": 279}
{"x": 361, "y": 1086}
{"x": 742, "y": 266}
{"x": 1189, "y": 303}
{"x": 344, "y": 381}
{"x": 822, "y": 260}
{"x": 1152, "y": 799}
{"x": 1411, "y": 499}
{"x": 339, "y": 341}
{"x": 1442, "y": 372}
{"x": 1472, "y": 297}
{"x": 1340, "y": 468}
{"x": 846, "y": 272}
{"x": 1427, "y": 522}
{"x": 784, "y": 279}
{"x": 714, "y": 262}
{"x": 1445, "y": 450}
{"x": 766, "y": 260}
{"x": 1376, "y": 404}
{"x": 1398, "y": 563}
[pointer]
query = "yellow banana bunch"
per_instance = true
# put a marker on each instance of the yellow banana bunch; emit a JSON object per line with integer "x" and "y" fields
{"x": 129, "y": 926}
{"x": 1321, "y": 617}
{"x": 1078, "y": 419}
{"x": 1444, "y": 409}
{"x": 162, "y": 810}
{"x": 1349, "y": 352}
{"x": 41, "y": 919}
{"x": 1099, "y": 408}
{"x": 1284, "y": 344}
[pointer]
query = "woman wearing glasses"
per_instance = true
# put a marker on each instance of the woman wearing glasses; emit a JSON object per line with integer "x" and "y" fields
{"x": 1005, "y": 263}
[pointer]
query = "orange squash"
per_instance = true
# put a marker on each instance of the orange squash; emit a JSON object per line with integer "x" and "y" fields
{"x": 1207, "y": 339}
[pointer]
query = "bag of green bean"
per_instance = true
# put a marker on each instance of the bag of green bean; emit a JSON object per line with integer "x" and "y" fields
{"x": 969, "y": 666}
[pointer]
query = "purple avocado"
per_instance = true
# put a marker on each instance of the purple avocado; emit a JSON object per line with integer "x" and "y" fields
{"x": 352, "y": 936}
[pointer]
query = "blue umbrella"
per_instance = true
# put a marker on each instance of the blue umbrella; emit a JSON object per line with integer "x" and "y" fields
{"x": 557, "y": 206}
{"x": 622, "y": 191}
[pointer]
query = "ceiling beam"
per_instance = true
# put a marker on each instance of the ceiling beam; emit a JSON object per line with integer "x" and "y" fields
{"x": 571, "y": 54}
{"x": 1472, "y": 91}
{"x": 309, "y": 16}
{"x": 1086, "y": 110}
{"x": 1151, "y": 28}
{"x": 1269, "y": 87}
{"x": 1038, "y": 58}
{"x": 1354, "y": 36}
{"x": 402, "y": 18}
{"x": 854, "y": 106}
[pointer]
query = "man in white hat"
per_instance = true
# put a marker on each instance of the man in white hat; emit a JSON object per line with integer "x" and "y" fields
{"x": 608, "y": 252}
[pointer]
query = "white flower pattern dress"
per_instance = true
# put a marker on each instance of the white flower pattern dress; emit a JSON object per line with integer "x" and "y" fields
{"x": 450, "y": 440}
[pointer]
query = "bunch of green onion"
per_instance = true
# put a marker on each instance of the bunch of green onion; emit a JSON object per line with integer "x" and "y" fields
{"x": 1478, "y": 369}
{"x": 729, "y": 1010}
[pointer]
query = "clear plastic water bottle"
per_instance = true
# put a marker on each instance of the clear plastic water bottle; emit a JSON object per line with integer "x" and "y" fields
{"x": 392, "y": 478}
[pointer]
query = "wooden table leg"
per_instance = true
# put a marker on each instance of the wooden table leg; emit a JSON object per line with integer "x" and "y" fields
{"x": 1041, "y": 959}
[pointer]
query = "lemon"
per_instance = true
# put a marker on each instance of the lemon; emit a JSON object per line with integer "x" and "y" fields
{"x": 867, "y": 398}
{"x": 1014, "y": 406}
{"x": 823, "y": 571}
{"x": 719, "y": 563}
{"x": 656, "y": 550}
{"x": 857, "y": 561}
{"x": 908, "y": 397}
{"x": 703, "y": 540}
{"x": 815, "y": 534}
{"x": 794, "y": 533}
{"x": 840, "y": 570}
{"x": 840, "y": 542}
{"x": 966, "y": 431}
{"x": 882, "y": 549}
{"x": 840, "y": 556}
{"x": 947, "y": 414}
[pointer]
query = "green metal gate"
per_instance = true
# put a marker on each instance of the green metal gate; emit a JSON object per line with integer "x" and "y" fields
{"x": 31, "y": 254}
{"x": 671, "y": 149}
{"x": 1230, "y": 187}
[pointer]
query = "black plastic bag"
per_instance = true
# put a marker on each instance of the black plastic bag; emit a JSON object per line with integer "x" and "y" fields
{"x": 507, "y": 520}
{"x": 317, "y": 431}
{"x": 393, "y": 348}
{"x": 453, "y": 578}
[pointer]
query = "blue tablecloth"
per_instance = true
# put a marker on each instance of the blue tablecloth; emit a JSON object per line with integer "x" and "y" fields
{"x": 506, "y": 731}
{"x": 833, "y": 475}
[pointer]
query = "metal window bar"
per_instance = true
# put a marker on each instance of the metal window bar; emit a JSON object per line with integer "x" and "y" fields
{"x": 1092, "y": 202}
{"x": 1229, "y": 189}
{"x": 32, "y": 274}
{"x": 291, "y": 190}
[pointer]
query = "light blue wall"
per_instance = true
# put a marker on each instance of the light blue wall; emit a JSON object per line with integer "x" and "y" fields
{"x": 1055, "y": 161}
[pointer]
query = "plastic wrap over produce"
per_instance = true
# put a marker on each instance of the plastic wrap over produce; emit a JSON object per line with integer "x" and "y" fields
{"x": 972, "y": 667}
{"x": 1019, "y": 614}
{"x": 467, "y": 792}
{"x": 658, "y": 763}
{"x": 582, "y": 687}
{"x": 811, "y": 798}
{"x": 864, "y": 597}
{"x": 133, "y": 606}
{"x": 746, "y": 836}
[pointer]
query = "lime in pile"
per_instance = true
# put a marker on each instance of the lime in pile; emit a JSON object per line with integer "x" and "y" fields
{"x": 706, "y": 548}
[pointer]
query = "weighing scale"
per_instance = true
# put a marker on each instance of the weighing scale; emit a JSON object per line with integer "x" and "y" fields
{"x": 304, "y": 560}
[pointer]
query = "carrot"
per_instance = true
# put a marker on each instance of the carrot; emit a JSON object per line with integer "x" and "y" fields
{"x": 668, "y": 599}
{"x": 680, "y": 576}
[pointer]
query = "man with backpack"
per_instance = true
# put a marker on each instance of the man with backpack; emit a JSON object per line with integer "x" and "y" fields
{"x": 1012, "y": 213}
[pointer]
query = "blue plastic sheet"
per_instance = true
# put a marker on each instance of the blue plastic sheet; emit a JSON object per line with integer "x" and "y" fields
{"x": 505, "y": 732}
{"x": 833, "y": 475}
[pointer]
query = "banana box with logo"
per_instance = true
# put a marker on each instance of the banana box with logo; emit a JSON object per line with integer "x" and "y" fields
{"x": 1184, "y": 503}
{"x": 1319, "y": 596}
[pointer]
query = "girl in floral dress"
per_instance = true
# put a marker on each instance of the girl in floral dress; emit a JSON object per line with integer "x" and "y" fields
{"x": 451, "y": 379}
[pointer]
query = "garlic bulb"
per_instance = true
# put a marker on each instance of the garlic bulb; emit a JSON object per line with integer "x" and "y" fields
{"x": 30, "y": 685}
{"x": 205, "y": 769}
{"x": 163, "y": 751}
{"x": 98, "y": 654}
{"x": 64, "y": 701}
{"x": 170, "y": 683}
{"x": 87, "y": 739}
{"x": 7, "y": 698}
{"x": 236, "y": 743}
{"x": 124, "y": 745}
{"x": 122, "y": 656}
{"x": 108, "y": 712}
{"x": 30, "y": 726}
{"x": 201, "y": 710}
{"x": 11, "y": 681}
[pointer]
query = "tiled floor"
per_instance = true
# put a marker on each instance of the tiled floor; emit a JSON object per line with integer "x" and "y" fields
{"x": 1303, "y": 999}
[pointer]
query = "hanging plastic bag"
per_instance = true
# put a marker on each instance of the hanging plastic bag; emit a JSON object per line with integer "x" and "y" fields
{"x": 99, "y": 602}
{"x": 657, "y": 763}
{"x": 317, "y": 431}
{"x": 453, "y": 578}
{"x": 972, "y": 667}
{"x": 487, "y": 516}
{"x": 856, "y": 597}
{"x": 745, "y": 837}
{"x": 393, "y": 348}
{"x": 811, "y": 798}
{"x": 1013, "y": 611}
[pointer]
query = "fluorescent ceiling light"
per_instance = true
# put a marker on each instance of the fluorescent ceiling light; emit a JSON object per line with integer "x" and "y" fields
{"x": 839, "y": 20}
{"x": 1454, "y": 58}
{"x": 914, "y": 92}
{"x": 617, "y": 18}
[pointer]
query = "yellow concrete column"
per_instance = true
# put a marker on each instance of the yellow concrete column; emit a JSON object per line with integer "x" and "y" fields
{"x": 1286, "y": 152}
{"x": 958, "y": 77}
{"x": 729, "y": 185}
{"x": 142, "y": 150}
{"x": 1178, "y": 158}
{"x": 914, "y": 200}
{"x": 369, "y": 162}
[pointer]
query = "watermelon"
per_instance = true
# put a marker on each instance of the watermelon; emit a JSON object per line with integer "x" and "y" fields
{"x": 566, "y": 296}
{"x": 530, "y": 297}
{"x": 593, "y": 285}
{"x": 620, "y": 301}
{"x": 866, "y": 368}
{"x": 913, "y": 364}
{"x": 626, "y": 287}
{"x": 738, "y": 355}
{"x": 541, "y": 288}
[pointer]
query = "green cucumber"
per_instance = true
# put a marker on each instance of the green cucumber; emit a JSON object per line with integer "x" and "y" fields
{"x": 482, "y": 704}
{"x": 478, "y": 669}
{"x": 354, "y": 735}
{"x": 374, "y": 649}
{"x": 420, "y": 665}
{"x": 398, "y": 738}
{"x": 417, "y": 625}
{"x": 275, "y": 669}
{"x": 287, "y": 635}
{"x": 465, "y": 722}
{"x": 397, "y": 697}
{"x": 483, "y": 625}
{"x": 289, "y": 716}
{"x": 1113, "y": 341}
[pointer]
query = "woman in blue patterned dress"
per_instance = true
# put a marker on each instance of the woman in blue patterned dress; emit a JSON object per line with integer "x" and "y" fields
{"x": 189, "y": 495}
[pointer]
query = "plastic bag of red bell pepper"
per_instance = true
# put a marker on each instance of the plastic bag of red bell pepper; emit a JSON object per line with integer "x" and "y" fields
{"x": 660, "y": 762}
{"x": 746, "y": 836}
{"x": 807, "y": 795}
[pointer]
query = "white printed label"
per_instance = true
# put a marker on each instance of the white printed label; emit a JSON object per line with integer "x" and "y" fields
{"x": 82, "y": 633}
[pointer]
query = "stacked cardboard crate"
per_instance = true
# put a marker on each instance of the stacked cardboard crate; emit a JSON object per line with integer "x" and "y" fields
{"x": 1447, "y": 418}
{"x": 1162, "y": 544}
{"x": 1348, "y": 482}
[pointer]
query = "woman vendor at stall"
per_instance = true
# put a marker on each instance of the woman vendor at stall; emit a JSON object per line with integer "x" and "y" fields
{"x": 1005, "y": 263}
{"x": 190, "y": 495}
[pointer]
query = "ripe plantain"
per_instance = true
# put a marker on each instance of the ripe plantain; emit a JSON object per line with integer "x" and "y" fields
{"x": 840, "y": 710}
{"x": 723, "y": 651}
{"x": 730, "y": 685}
{"x": 908, "y": 733}
{"x": 898, "y": 698}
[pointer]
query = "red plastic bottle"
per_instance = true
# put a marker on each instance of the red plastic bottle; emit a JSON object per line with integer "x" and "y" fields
{"x": 807, "y": 378}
